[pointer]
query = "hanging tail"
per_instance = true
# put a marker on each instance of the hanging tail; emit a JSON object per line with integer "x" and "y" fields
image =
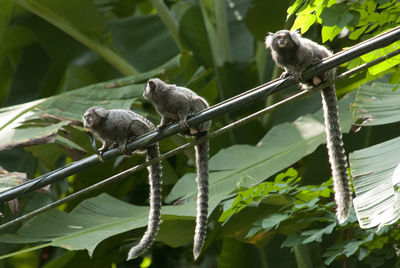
{"x": 337, "y": 157}
{"x": 202, "y": 151}
{"x": 155, "y": 181}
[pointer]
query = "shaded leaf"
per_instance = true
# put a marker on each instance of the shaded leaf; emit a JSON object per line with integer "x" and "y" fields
{"x": 375, "y": 185}
{"x": 232, "y": 254}
{"x": 194, "y": 33}
{"x": 281, "y": 147}
{"x": 81, "y": 20}
{"x": 118, "y": 93}
{"x": 377, "y": 103}
{"x": 385, "y": 65}
{"x": 20, "y": 137}
{"x": 336, "y": 15}
{"x": 138, "y": 37}
{"x": 11, "y": 179}
{"x": 316, "y": 234}
{"x": 94, "y": 220}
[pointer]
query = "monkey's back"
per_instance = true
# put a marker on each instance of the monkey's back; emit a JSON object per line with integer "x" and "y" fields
{"x": 118, "y": 126}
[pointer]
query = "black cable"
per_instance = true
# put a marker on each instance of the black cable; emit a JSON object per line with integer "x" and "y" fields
{"x": 186, "y": 146}
{"x": 232, "y": 104}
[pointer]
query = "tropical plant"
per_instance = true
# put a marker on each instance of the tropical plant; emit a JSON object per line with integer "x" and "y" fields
{"x": 271, "y": 200}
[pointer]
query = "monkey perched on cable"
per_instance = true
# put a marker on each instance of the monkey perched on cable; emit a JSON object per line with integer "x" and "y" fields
{"x": 118, "y": 127}
{"x": 295, "y": 54}
{"x": 175, "y": 104}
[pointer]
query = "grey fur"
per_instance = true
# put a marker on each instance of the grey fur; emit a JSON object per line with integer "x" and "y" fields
{"x": 175, "y": 104}
{"x": 295, "y": 54}
{"x": 118, "y": 126}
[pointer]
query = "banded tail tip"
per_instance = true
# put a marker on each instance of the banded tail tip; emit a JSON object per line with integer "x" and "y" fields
{"x": 343, "y": 211}
{"x": 196, "y": 252}
{"x": 197, "y": 247}
{"x": 133, "y": 254}
{"x": 342, "y": 216}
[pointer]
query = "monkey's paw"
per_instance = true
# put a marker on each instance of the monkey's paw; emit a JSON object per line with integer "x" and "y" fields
{"x": 100, "y": 155}
{"x": 193, "y": 131}
{"x": 285, "y": 74}
{"x": 316, "y": 80}
{"x": 298, "y": 77}
{"x": 160, "y": 127}
{"x": 123, "y": 150}
{"x": 183, "y": 125}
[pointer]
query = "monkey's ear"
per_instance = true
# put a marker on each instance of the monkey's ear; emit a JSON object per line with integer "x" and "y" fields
{"x": 295, "y": 36}
{"x": 101, "y": 112}
{"x": 269, "y": 39}
{"x": 152, "y": 85}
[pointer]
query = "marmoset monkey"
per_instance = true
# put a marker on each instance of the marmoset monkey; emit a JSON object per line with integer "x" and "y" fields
{"x": 118, "y": 127}
{"x": 295, "y": 54}
{"x": 175, "y": 104}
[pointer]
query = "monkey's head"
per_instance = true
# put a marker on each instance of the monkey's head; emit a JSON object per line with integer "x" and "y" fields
{"x": 283, "y": 39}
{"x": 93, "y": 116}
{"x": 153, "y": 88}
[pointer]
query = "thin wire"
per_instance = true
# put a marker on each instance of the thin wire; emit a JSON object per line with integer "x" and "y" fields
{"x": 186, "y": 146}
{"x": 234, "y": 103}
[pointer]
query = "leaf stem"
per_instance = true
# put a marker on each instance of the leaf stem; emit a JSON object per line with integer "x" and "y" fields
{"x": 62, "y": 23}
{"x": 168, "y": 21}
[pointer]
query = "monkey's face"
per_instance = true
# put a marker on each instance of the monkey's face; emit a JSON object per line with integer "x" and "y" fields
{"x": 154, "y": 89}
{"x": 88, "y": 119}
{"x": 149, "y": 89}
{"x": 93, "y": 116}
{"x": 281, "y": 39}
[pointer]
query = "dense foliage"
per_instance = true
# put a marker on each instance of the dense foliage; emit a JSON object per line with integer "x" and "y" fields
{"x": 271, "y": 199}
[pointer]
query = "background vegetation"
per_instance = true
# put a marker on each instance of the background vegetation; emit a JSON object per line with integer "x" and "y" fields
{"x": 271, "y": 200}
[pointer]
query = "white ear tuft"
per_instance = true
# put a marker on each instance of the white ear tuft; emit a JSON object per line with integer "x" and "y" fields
{"x": 269, "y": 39}
{"x": 295, "y": 36}
{"x": 101, "y": 111}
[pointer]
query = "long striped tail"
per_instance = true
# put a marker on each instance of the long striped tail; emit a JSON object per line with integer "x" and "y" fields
{"x": 202, "y": 151}
{"x": 155, "y": 180}
{"x": 337, "y": 157}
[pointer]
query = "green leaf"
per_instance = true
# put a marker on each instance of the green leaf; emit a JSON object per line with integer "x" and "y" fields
{"x": 303, "y": 256}
{"x": 266, "y": 16}
{"x": 336, "y": 15}
{"x": 385, "y": 65}
{"x": 281, "y": 147}
{"x": 376, "y": 103}
{"x": 354, "y": 35}
{"x": 304, "y": 22}
{"x": 241, "y": 42}
{"x": 194, "y": 34}
{"x": 11, "y": 179}
{"x": 316, "y": 234}
{"x": 292, "y": 240}
{"x": 60, "y": 261}
{"x": 94, "y": 220}
{"x": 232, "y": 254}
{"x": 329, "y": 33}
{"x": 348, "y": 248}
{"x": 76, "y": 77}
{"x": 80, "y": 19}
{"x": 69, "y": 107}
{"x": 168, "y": 21}
{"x": 376, "y": 183}
{"x": 135, "y": 38}
{"x": 273, "y": 221}
{"x": 29, "y": 136}
{"x": 6, "y": 8}
{"x": 334, "y": 251}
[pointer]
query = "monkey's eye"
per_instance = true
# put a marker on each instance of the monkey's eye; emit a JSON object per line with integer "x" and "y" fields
{"x": 88, "y": 118}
